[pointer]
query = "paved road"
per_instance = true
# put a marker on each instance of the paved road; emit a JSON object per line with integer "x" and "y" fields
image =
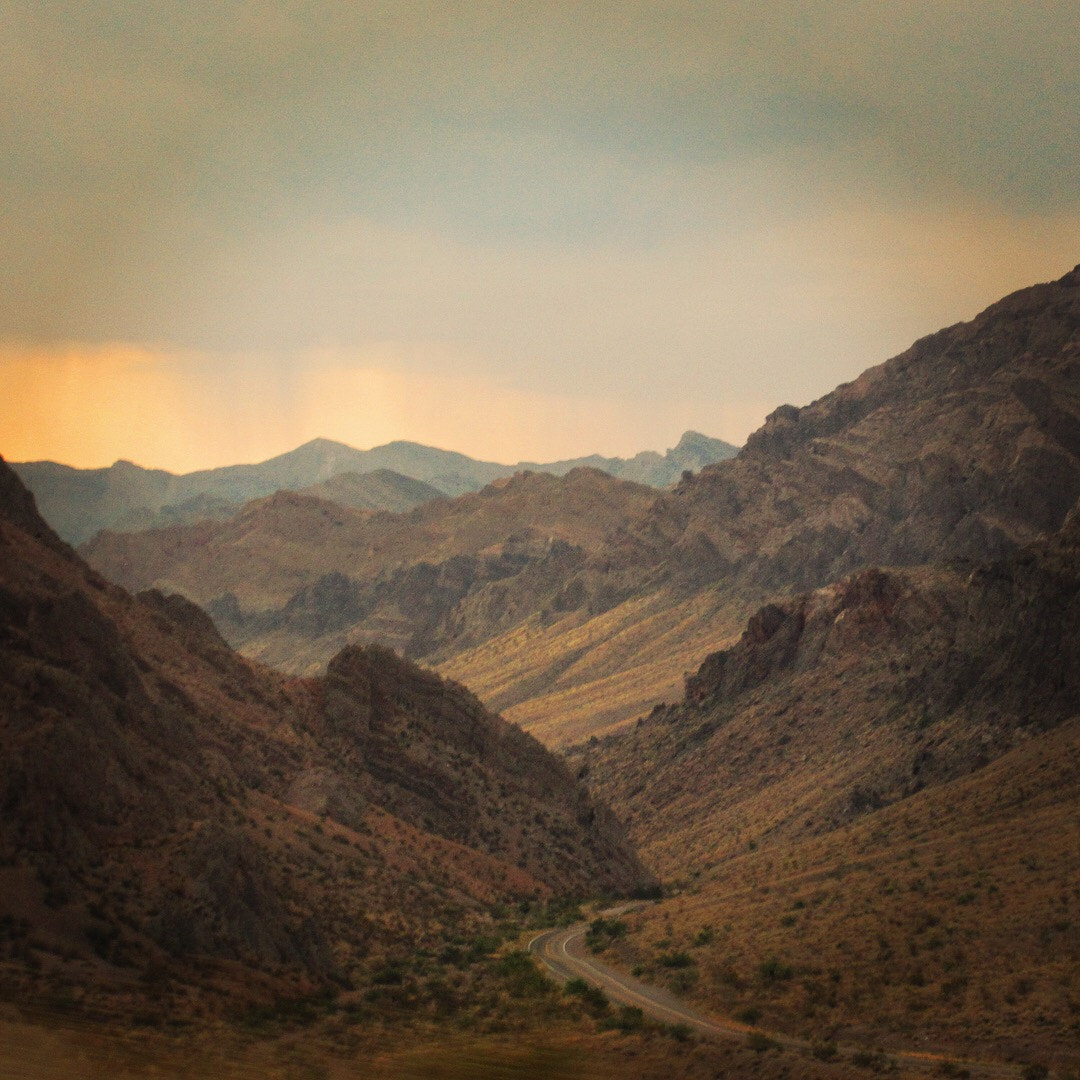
{"x": 563, "y": 953}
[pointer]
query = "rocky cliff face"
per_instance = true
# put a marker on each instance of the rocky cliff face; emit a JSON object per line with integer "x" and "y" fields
{"x": 167, "y": 802}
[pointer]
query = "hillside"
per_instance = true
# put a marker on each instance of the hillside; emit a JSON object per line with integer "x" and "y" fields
{"x": 966, "y": 445}
{"x": 78, "y": 503}
{"x": 873, "y": 793}
{"x": 171, "y": 807}
{"x": 294, "y": 567}
{"x": 382, "y": 489}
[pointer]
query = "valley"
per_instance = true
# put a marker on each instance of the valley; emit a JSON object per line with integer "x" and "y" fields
{"x": 793, "y": 740}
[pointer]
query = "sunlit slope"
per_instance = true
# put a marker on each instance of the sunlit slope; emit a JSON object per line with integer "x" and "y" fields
{"x": 579, "y": 676}
{"x": 869, "y": 802}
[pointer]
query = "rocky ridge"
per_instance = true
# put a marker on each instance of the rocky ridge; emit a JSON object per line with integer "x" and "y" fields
{"x": 865, "y": 809}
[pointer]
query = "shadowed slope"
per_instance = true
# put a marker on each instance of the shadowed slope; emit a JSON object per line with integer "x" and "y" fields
{"x": 168, "y": 803}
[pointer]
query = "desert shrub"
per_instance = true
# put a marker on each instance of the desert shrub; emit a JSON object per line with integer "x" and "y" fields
{"x": 629, "y": 1018}
{"x": 388, "y": 975}
{"x": 675, "y": 960}
{"x": 523, "y": 977}
{"x": 950, "y": 1068}
{"x": 592, "y": 996}
{"x": 705, "y": 936}
{"x": 774, "y": 970}
{"x": 870, "y": 1059}
{"x": 482, "y": 947}
{"x": 759, "y": 1042}
{"x": 678, "y": 1032}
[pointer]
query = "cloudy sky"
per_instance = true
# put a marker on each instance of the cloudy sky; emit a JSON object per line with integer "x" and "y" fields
{"x": 516, "y": 229}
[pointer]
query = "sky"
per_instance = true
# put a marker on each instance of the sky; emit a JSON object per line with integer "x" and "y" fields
{"x": 521, "y": 230}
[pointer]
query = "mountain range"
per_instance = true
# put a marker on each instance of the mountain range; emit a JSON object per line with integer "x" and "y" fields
{"x": 80, "y": 502}
{"x": 574, "y": 603}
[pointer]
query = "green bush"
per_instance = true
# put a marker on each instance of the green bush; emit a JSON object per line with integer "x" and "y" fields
{"x": 628, "y": 1019}
{"x": 523, "y": 977}
{"x": 675, "y": 960}
{"x": 705, "y": 936}
{"x": 592, "y": 996}
{"x": 869, "y": 1059}
{"x": 950, "y": 1068}
{"x": 750, "y": 1015}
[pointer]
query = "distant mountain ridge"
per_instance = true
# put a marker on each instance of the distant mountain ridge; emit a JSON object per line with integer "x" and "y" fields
{"x": 78, "y": 503}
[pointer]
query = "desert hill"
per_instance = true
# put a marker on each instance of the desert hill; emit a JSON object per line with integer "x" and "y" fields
{"x": 874, "y": 793}
{"x": 78, "y": 503}
{"x": 382, "y": 489}
{"x": 172, "y": 807}
{"x": 966, "y": 445}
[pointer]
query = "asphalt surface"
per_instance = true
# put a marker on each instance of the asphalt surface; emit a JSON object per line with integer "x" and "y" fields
{"x": 562, "y": 952}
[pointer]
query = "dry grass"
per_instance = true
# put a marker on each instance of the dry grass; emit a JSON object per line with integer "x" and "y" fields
{"x": 578, "y": 677}
{"x": 47, "y": 1049}
{"x": 949, "y": 921}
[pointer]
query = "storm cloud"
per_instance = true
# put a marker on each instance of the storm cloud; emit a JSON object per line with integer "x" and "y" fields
{"x": 688, "y": 212}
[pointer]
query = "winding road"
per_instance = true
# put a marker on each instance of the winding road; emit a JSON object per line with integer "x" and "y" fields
{"x": 562, "y": 953}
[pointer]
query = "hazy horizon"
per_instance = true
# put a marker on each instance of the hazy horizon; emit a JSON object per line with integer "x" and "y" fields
{"x": 521, "y": 233}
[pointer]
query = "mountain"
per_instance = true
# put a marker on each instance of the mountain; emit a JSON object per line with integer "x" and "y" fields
{"x": 874, "y": 793}
{"x": 172, "y": 808}
{"x": 378, "y": 490}
{"x": 966, "y": 445}
{"x": 80, "y": 502}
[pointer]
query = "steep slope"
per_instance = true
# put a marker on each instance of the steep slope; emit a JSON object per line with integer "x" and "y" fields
{"x": 888, "y": 756}
{"x": 966, "y": 445}
{"x": 170, "y": 806}
{"x": 80, "y": 502}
